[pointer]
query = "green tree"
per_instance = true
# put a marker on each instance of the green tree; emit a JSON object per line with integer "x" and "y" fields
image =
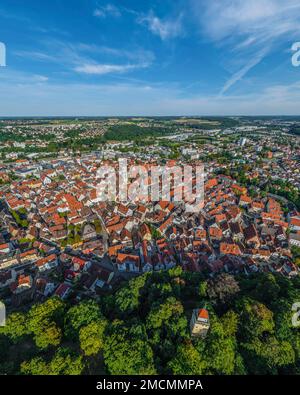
{"x": 16, "y": 327}
{"x": 203, "y": 289}
{"x": 163, "y": 312}
{"x": 81, "y": 315}
{"x": 187, "y": 361}
{"x": 91, "y": 337}
{"x": 239, "y": 365}
{"x": 36, "y": 366}
{"x": 43, "y": 322}
{"x": 127, "y": 299}
{"x": 223, "y": 288}
{"x": 51, "y": 310}
{"x": 126, "y": 351}
{"x": 219, "y": 349}
{"x": 49, "y": 334}
{"x": 255, "y": 319}
{"x": 267, "y": 356}
{"x": 267, "y": 289}
{"x": 65, "y": 362}
{"x": 230, "y": 323}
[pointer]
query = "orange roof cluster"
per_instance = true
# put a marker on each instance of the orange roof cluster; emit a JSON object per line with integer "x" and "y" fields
{"x": 211, "y": 183}
{"x": 163, "y": 227}
{"x": 4, "y": 246}
{"x": 230, "y": 249}
{"x": 257, "y": 205}
{"x": 47, "y": 259}
{"x": 23, "y": 280}
{"x": 122, "y": 258}
{"x": 245, "y": 199}
{"x": 215, "y": 232}
{"x": 73, "y": 203}
{"x": 113, "y": 250}
{"x": 295, "y": 221}
{"x": 238, "y": 188}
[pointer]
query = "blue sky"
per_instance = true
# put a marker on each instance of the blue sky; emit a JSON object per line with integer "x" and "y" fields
{"x": 133, "y": 57}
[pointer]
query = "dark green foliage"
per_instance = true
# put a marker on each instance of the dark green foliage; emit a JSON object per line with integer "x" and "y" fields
{"x": 143, "y": 328}
{"x": 127, "y": 298}
{"x": 64, "y": 362}
{"x": 91, "y": 337}
{"x": 16, "y": 327}
{"x": 43, "y": 320}
{"x": 255, "y": 319}
{"x": 134, "y": 132}
{"x": 222, "y": 289}
{"x": 295, "y": 130}
{"x": 127, "y": 350}
{"x": 81, "y": 315}
{"x": 217, "y": 349}
{"x": 230, "y": 323}
{"x": 187, "y": 361}
{"x": 267, "y": 356}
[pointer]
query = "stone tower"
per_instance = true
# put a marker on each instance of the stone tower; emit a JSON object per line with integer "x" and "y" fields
{"x": 199, "y": 323}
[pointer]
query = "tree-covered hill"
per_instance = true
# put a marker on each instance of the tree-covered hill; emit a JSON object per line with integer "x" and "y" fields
{"x": 143, "y": 328}
{"x": 134, "y": 132}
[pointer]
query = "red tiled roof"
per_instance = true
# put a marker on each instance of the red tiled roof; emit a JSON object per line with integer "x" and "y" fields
{"x": 203, "y": 313}
{"x": 230, "y": 249}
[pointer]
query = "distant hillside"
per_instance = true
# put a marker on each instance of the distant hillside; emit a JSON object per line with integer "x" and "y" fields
{"x": 295, "y": 130}
{"x": 208, "y": 123}
{"x": 134, "y": 132}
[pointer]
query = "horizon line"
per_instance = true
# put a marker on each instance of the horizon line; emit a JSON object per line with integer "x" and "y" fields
{"x": 146, "y": 116}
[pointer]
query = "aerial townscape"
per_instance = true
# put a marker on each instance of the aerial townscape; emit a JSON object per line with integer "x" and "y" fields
{"x": 149, "y": 195}
{"x": 145, "y": 287}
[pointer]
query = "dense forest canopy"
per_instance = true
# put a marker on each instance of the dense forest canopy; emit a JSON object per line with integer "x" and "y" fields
{"x": 143, "y": 328}
{"x": 295, "y": 130}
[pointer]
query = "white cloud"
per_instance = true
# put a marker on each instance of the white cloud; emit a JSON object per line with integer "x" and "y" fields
{"x": 242, "y": 72}
{"x": 35, "y": 55}
{"x": 260, "y": 20}
{"x": 164, "y": 28}
{"x": 10, "y": 77}
{"x": 84, "y": 58}
{"x": 137, "y": 54}
{"x": 101, "y": 69}
{"x": 41, "y": 78}
{"x": 24, "y": 94}
{"x": 251, "y": 29}
{"x": 107, "y": 10}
